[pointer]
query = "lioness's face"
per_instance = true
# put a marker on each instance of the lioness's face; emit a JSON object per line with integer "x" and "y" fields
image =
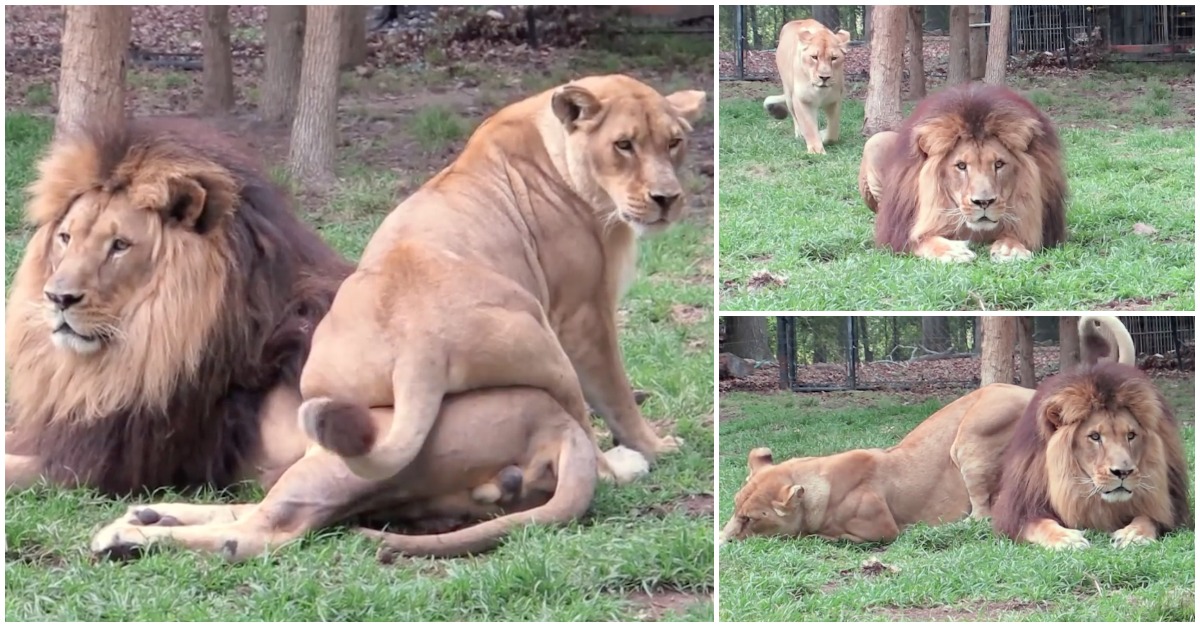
{"x": 821, "y": 55}
{"x": 769, "y": 504}
{"x": 979, "y": 177}
{"x": 100, "y": 254}
{"x": 1107, "y": 447}
{"x": 627, "y": 145}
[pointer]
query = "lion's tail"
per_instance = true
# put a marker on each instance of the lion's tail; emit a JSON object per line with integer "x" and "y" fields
{"x": 1104, "y": 338}
{"x": 776, "y": 107}
{"x": 572, "y": 497}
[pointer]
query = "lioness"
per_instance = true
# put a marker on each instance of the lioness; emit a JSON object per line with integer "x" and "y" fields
{"x": 809, "y": 58}
{"x": 942, "y": 471}
{"x": 503, "y": 270}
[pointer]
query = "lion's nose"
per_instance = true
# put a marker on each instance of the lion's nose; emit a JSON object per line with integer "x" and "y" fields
{"x": 64, "y": 300}
{"x": 1121, "y": 473}
{"x": 825, "y": 79}
{"x": 664, "y": 201}
{"x": 983, "y": 203}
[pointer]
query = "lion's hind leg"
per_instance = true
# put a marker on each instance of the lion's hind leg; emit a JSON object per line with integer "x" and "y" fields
{"x": 870, "y": 171}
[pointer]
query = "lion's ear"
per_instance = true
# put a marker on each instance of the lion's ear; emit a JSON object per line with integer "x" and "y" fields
{"x": 935, "y": 138}
{"x": 198, "y": 204}
{"x": 805, "y": 37}
{"x": 760, "y": 458}
{"x": 843, "y": 38}
{"x": 689, "y": 104}
{"x": 574, "y": 104}
{"x": 788, "y": 495}
{"x": 1015, "y": 131}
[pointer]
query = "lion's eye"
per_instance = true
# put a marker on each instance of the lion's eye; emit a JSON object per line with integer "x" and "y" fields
{"x": 675, "y": 142}
{"x": 64, "y": 237}
{"x": 814, "y": 57}
{"x": 1131, "y": 435}
{"x": 625, "y": 145}
{"x": 961, "y": 165}
{"x": 119, "y": 245}
{"x": 999, "y": 164}
{"x": 834, "y": 58}
{"x": 1093, "y": 436}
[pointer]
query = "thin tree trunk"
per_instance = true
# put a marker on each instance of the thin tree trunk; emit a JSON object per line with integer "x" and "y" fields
{"x": 996, "y": 364}
{"x": 868, "y": 28}
{"x": 314, "y": 131}
{"x": 960, "y": 48}
{"x": 827, "y": 15}
{"x": 1025, "y": 350}
{"x": 746, "y": 336}
{"x": 91, "y": 87}
{"x": 218, "y": 60}
{"x": 997, "y": 54}
{"x": 916, "y": 52}
{"x": 1068, "y": 343}
{"x": 935, "y": 333}
{"x": 354, "y": 36}
{"x": 887, "y": 54}
{"x": 281, "y": 65}
{"x": 978, "y": 42}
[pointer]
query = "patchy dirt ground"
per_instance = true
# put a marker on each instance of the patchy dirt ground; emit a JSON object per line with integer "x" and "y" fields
{"x": 655, "y": 605}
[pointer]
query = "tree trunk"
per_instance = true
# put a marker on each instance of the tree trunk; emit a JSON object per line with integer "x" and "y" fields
{"x": 935, "y": 333}
{"x": 354, "y": 36}
{"x": 91, "y": 84}
{"x": 827, "y": 15}
{"x": 1025, "y": 350}
{"x": 978, "y": 42}
{"x": 281, "y": 66}
{"x": 868, "y": 28}
{"x": 218, "y": 60}
{"x": 314, "y": 131}
{"x": 746, "y": 336}
{"x": 997, "y": 52}
{"x": 755, "y": 32}
{"x": 1068, "y": 343}
{"x": 996, "y": 364}
{"x": 887, "y": 54}
{"x": 960, "y": 49}
{"x": 916, "y": 52}
{"x": 864, "y": 337}
{"x": 895, "y": 343}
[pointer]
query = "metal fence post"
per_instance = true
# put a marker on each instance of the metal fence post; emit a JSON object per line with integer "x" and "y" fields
{"x": 739, "y": 43}
{"x": 852, "y": 353}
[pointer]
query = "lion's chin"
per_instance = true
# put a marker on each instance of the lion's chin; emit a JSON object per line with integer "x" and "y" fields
{"x": 983, "y": 225}
{"x": 66, "y": 338}
{"x": 645, "y": 226}
{"x": 1116, "y": 495}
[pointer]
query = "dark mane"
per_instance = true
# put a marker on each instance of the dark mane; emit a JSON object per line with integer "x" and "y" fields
{"x": 281, "y": 282}
{"x": 1023, "y": 491}
{"x": 978, "y": 110}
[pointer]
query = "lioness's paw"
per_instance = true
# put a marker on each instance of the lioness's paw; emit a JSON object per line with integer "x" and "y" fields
{"x": 626, "y": 465}
{"x": 120, "y": 541}
{"x": 1009, "y": 251}
{"x": 1067, "y": 539}
{"x": 1129, "y": 536}
{"x": 955, "y": 251}
{"x": 816, "y": 150}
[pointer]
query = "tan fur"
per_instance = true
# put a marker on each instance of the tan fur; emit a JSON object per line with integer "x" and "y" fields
{"x": 809, "y": 59}
{"x": 942, "y": 471}
{"x": 507, "y": 268}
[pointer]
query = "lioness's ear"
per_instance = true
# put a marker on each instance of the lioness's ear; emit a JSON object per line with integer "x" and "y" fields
{"x": 804, "y": 37}
{"x": 787, "y": 497}
{"x": 573, "y": 104}
{"x": 689, "y": 104}
{"x": 760, "y": 458}
{"x": 843, "y": 37}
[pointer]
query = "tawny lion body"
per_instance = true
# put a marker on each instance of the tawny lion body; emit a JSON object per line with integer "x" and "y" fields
{"x": 1095, "y": 449}
{"x": 809, "y": 59}
{"x": 974, "y": 163}
{"x": 942, "y": 471}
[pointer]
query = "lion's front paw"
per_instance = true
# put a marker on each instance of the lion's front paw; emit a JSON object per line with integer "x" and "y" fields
{"x": 1067, "y": 539}
{"x": 120, "y": 541}
{"x": 817, "y": 149}
{"x": 956, "y": 251}
{"x": 669, "y": 444}
{"x": 1129, "y": 536}
{"x": 625, "y": 465}
{"x": 1007, "y": 250}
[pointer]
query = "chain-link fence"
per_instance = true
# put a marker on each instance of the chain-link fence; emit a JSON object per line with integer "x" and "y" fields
{"x": 749, "y": 34}
{"x": 825, "y": 353}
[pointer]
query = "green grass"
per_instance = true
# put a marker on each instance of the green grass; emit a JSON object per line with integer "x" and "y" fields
{"x": 800, "y": 217}
{"x": 637, "y": 537}
{"x": 435, "y": 127}
{"x": 959, "y": 571}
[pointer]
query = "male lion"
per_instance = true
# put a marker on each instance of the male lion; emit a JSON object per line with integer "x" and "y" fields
{"x": 809, "y": 58}
{"x": 504, "y": 270}
{"x": 1095, "y": 449}
{"x": 973, "y": 163}
{"x": 940, "y": 472}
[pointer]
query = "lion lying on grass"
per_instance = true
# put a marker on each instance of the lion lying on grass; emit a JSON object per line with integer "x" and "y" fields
{"x": 504, "y": 271}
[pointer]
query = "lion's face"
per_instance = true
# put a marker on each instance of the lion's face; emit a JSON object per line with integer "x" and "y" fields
{"x": 1107, "y": 448}
{"x": 101, "y": 255}
{"x": 626, "y": 144}
{"x": 979, "y": 178}
{"x": 769, "y": 504}
{"x": 821, "y": 55}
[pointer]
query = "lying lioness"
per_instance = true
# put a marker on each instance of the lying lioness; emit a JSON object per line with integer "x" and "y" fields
{"x": 942, "y": 471}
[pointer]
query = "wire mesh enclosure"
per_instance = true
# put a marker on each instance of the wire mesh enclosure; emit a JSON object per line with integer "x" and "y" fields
{"x": 1048, "y": 28}
{"x": 749, "y": 35}
{"x": 827, "y": 353}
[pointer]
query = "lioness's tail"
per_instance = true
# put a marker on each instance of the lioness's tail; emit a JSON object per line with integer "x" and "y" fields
{"x": 776, "y": 107}
{"x": 1104, "y": 338}
{"x": 572, "y": 497}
